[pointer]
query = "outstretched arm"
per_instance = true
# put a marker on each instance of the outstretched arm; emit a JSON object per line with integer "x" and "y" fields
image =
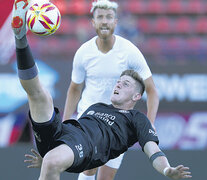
{"x": 152, "y": 100}
{"x": 161, "y": 164}
{"x": 73, "y": 96}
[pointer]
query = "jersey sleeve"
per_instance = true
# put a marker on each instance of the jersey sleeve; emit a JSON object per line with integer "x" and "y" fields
{"x": 78, "y": 71}
{"x": 137, "y": 62}
{"x": 144, "y": 130}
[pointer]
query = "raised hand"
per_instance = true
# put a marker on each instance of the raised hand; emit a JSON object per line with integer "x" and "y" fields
{"x": 35, "y": 160}
{"x": 179, "y": 172}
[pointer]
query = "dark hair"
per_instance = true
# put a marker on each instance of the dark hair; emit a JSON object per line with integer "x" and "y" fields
{"x": 136, "y": 77}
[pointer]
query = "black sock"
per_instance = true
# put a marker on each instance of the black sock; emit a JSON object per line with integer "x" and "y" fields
{"x": 25, "y": 59}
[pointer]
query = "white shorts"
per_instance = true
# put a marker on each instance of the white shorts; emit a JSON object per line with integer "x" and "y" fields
{"x": 115, "y": 163}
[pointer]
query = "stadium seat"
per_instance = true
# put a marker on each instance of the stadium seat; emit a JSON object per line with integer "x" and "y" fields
{"x": 201, "y": 25}
{"x": 135, "y": 6}
{"x": 144, "y": 25}
{"x": 162, "y": 25}
{"x": 155, "y": 6}
{"x": 78, "y": 7}
{"x": 174, "y": 6}
{"x": 174, "y": 49}
{"x": 173, "y": 43}
{"x": 155, "y": 43}
{"x": 203, "y": 48}
{"x": 183, "y": 25}
{"x": 194, "y": 43}
{"x": 203, "y": 42}
{"x": 195, "y": 50}
{"x": 195, "y": 6}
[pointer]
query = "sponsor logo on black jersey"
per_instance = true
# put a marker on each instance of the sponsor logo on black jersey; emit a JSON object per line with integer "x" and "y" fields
{"x": 107, "y": 118}
{"x": 123, "y": 111}
{"x": 152, "y": 132}
{"x": 90, "y": 112}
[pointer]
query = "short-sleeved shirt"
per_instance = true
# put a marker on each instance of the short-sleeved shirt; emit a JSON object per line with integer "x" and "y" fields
{"x": 100, "y": 71}
{"x": 115, "y": 129}
{"x": 102, "y": 133}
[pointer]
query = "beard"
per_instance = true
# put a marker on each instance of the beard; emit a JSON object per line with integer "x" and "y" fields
{"x": 105, "y": 35}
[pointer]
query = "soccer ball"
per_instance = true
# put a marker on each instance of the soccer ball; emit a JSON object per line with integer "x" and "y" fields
{"x": 43, "y": 18}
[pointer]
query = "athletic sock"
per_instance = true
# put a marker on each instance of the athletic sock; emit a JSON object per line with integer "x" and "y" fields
{"x": 21, "y": 43}
{"x": 82, "y": 176}
{"x": 24, "y": 58}
{"x": 27, "y": 68}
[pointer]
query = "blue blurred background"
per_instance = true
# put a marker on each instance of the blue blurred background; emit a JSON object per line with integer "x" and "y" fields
{"x": 172, "y": 35}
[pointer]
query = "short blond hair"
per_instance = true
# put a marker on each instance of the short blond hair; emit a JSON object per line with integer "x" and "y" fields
{"x": 104, "y": 4}
{"x": 136, "y": 77}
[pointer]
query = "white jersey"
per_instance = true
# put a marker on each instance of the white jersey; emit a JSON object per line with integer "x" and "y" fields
{"x": 101, "y": 71}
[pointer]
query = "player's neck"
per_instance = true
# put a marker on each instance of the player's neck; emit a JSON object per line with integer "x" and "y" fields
{"x": 125, "y": 106}
{"x": 105, "y": 45}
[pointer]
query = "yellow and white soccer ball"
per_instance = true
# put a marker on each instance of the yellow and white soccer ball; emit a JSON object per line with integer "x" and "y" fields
{"x": 43, "y": 18}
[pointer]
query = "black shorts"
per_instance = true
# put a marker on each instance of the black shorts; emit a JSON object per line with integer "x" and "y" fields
{"x": 51, "y": 134}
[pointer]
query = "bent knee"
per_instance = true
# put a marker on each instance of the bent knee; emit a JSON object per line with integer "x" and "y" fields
{"x": 52, "y": 163}
{"x": 106, "y": 173}
{"x": 59, "y": 158}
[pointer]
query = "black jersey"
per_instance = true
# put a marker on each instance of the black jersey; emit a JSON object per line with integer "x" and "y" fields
{"x": 112, "y": 131}
{"x": 103, "y": 133}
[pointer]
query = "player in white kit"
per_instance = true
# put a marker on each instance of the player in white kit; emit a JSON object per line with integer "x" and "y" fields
{"x": 98, "y": 64}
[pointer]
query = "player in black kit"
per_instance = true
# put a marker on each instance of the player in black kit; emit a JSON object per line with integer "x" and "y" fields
{"x": 102, "y": 133}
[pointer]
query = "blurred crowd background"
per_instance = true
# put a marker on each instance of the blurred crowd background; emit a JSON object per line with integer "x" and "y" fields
{"x": 166, "y": 31}
{"x": 172, "y": 35}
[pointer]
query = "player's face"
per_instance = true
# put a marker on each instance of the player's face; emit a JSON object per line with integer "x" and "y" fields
{"x": 125, "y": 92}
{"x": 104, "y": 21}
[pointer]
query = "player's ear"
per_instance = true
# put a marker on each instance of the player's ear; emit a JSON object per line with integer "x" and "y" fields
{"x": 93, "y": 22}
{"x": 136, "y": 97}
{"x": 116, "y": 21}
